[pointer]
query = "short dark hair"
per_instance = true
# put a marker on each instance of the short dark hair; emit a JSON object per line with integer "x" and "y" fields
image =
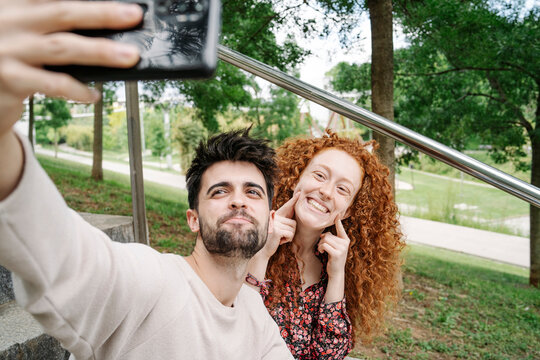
{"x": 231, "y": 146}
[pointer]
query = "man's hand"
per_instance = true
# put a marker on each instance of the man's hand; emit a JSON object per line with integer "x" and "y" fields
{"x": 34, "y": 33}
{"x": 284, "y": 227}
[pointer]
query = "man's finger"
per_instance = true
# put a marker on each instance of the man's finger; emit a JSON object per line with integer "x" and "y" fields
{"x": 287, "y": 210}
{"x": 25, "y": 80}
{"x": 68, "y": 15}
{"x": 68, "y": 48}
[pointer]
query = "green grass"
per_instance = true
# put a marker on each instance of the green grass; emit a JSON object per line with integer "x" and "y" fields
{"x": 434, "y": 199}
{"x": 456, "y": 306}
{"x": 453, "y": 306}
{"x": 426, "y": 163}
{"x": 166, "y": 207}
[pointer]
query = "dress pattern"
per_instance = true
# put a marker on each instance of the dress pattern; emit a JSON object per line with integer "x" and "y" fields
{"x": 313, "y": 330}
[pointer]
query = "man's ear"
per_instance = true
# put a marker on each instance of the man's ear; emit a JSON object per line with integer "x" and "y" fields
{"x": 193, "y": 220}
{"x": 271, "y": 221}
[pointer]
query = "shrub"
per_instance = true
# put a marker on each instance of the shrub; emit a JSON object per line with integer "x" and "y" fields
{"x": 80, "y": 137}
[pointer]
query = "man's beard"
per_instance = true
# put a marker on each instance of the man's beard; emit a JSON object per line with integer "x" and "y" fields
{"x": 234, "y": 243}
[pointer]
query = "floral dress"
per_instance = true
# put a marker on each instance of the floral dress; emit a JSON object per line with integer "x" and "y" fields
{"x": 314, "y": 330}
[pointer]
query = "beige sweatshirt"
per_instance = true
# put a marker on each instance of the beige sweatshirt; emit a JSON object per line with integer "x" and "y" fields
{"x": 106, "y": 300}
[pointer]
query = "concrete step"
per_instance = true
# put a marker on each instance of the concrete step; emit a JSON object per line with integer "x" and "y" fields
{"x": 21, "y": 337}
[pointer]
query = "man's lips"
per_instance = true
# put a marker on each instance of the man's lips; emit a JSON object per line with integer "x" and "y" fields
{"x": 237, "y": 220}
{"x": 236, "y": 217}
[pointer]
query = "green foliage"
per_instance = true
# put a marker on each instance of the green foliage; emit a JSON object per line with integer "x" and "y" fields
{"x": 56, "y": 114}
{"x": 79, "y": 137}
{"x": 158, "y": 144}
{"x": 472, "y": 68}
{"x": 277, "y": 118}
{"x": 115, "y": 132}
{"x": 346, "y": 77}
{"x": 248, "y": 26}
{"x": 188, "y": 133}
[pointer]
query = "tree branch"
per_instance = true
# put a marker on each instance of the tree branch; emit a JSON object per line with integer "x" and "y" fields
{"x": 522, "y": 121}
{"x": 467, "y": 68}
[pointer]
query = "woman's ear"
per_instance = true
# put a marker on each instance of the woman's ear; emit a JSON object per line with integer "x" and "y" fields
{"x": 193, "y": 220}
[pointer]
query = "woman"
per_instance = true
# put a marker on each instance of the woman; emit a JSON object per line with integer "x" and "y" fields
{"x": 338, "y": 263}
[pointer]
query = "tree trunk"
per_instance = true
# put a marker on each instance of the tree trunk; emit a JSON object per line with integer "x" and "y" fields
{"x": 534, "y": 277}
{"x": 97, "y": 165}
{"x": 382, "y": 76}
{"x": 31, "y": 119}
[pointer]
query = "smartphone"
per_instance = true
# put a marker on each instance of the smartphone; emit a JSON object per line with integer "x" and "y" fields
{"x": 177, "y": 39}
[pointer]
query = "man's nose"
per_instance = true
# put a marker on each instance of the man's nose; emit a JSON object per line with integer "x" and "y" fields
{"x": 237, "y": 202}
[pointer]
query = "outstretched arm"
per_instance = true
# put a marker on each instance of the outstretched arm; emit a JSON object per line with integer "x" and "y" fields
{"x": 34, "y": 33}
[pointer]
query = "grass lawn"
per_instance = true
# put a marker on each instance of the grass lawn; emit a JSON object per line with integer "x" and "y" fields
{"x": 454, "y": 306}
{"x": 435, "y": 198}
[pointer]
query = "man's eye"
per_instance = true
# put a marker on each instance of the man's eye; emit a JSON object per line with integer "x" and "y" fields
{"x": 254, "y": 192}
{"x": 218, "y": 192}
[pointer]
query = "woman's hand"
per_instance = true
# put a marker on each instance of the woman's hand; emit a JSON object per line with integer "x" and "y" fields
{"x": 337, "y": 247}
{"x": 284, "y": 227}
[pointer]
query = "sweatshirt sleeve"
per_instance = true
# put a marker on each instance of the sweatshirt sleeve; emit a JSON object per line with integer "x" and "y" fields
{"x": 85, "y": 290}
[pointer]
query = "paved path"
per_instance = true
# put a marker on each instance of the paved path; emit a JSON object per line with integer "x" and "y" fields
{"x": 152, "y": 175}
{"x": 504, "y": 248}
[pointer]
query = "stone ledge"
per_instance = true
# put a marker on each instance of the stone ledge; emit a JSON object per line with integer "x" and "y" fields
{"x": 21, "y": 337}
{"x": 118, "y": 228}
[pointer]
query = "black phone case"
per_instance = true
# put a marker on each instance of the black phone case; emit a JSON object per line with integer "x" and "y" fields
{"x": 177, "y": 40}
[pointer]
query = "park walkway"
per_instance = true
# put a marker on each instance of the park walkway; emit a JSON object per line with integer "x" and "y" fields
{"x": 495, "y": 246}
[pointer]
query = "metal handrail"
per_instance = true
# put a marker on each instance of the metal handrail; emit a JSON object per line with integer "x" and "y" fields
{"x": 454, "y": 158}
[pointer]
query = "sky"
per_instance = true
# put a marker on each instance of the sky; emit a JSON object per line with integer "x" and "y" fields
{"x": 327, "y": 52}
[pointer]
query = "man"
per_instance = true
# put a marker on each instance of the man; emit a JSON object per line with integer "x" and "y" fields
{"x": 105, "y": 300}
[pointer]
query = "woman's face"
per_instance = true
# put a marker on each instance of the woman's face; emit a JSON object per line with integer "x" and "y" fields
{"x": 327, "y": 188}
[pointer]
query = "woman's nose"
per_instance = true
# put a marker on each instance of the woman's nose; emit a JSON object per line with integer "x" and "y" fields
{"x": 326, "y": 189}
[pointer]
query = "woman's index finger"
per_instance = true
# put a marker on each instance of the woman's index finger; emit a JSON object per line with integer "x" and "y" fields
{"x": 340, "y": 230}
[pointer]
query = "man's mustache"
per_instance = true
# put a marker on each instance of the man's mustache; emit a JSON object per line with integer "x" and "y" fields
{"x": 236, "y": 213}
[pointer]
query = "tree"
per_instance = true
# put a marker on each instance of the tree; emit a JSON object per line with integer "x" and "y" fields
{"x": 472, "y": 68}
{"x": 382, "y": 75}
{"x": 56, "y": 114}
{"x": 97, "y": 150}
{"x": 107, "y": 91}
{"x": 31, "y": 120}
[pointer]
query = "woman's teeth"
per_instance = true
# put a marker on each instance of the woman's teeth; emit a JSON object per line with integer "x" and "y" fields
{"x": 317, "y": 206}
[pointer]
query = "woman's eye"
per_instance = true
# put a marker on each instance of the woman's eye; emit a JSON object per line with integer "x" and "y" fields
{"x": 344, "y": 190}
{"x": 319, "y": 175}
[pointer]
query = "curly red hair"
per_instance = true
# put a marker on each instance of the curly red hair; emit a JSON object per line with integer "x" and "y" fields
{"x": 373, "y": 260}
